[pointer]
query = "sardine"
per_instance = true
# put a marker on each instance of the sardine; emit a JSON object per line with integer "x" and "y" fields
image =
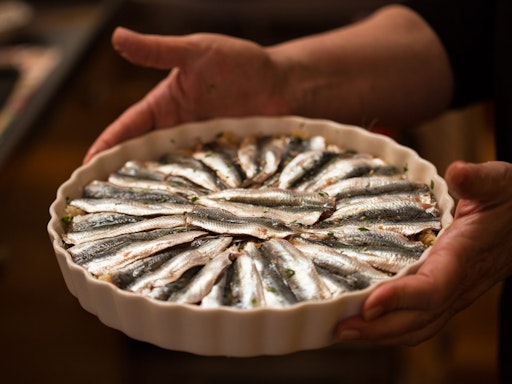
{"x": 275, "y": 197}
{"x": 277, "y": 293}
{"x": 223, "y": 222}
{"x": 246, "y": 286}
{"x": 202, "y": 283}
{"x": 223, "y": 162}
{"x": 173, "y": 269}
{"x": 287, "y": 214}
{"x": 299, "y": 166}
{"x": 297, "y": 269}
{"x": 358, "y": 272}
{"x": 189, "y": 168}
{"x": 396, "y": 207}
{"x": 340, "y": 167}
{"x": 84, "y": 252}
{"x": 77, "y": 237}
{"x": 130, "y": 207}
{"x": 104, "y": 189}
{"x": 90, "y": 221}
{"x": 171, "y": 184}
{"x": 363, "y": 236}
{"x": 372, "y": 185}
{"x": 260, "y": 157}
{"x": 138, "y": 250}
{"x": 217, "y": 296}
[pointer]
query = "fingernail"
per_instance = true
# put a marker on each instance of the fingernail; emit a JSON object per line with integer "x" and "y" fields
{"x": 349, "y": 334}
{"x": 372, "y": 313}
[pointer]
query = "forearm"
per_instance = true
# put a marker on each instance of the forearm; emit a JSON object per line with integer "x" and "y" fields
{"x": 389, "y": 68}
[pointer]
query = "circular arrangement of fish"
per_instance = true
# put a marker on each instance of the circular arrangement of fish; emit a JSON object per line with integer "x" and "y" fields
{"x": 266, "y": 222}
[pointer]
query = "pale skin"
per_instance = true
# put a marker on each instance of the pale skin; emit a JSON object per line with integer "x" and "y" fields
{"x": 389, "y": 68}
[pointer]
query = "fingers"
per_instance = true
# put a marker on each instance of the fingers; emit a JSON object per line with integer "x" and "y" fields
{"x": 480, "y": 181}
{"x": 161, "y": 52}
{"x": 396, "y": 328}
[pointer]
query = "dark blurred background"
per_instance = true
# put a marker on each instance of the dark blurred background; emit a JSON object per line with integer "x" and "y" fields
{"x": 61, "y": 84}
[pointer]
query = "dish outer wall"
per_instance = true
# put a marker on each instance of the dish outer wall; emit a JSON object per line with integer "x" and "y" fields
{"x": 226, "y": 331}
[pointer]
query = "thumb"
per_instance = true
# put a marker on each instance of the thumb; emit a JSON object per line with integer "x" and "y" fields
{"x": 161, "y": 52}
{"x": 480, "y": 181}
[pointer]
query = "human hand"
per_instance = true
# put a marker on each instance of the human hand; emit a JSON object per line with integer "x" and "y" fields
{"x": 210, "y": 76}
{"x": 472, "y": 255}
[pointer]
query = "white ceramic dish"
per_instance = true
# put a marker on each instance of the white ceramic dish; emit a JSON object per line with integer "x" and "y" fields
{"x": 225, "y": 331}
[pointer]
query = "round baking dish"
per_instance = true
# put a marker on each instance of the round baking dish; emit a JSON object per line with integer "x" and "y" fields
{"x": 227, "y": 331}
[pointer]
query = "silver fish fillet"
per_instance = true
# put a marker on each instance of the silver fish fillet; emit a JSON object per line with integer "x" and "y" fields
{"x": 223, "y": 222}
{"x": 177, "y": 265}
{"x": 202, "y": 283}
{"x": 360, "y": 273}
{"x": 297, "y": 269}
{"x": 104, "y": 189}
{"x": 275, "y": 197}
{"x": 396, "y": 207}
{"x": 372, "y": 185}
{"x": 96, "y": 220}
{"x": 130, "y": 207}
{"x": 138, "y": 250}
{"x": 275, "y": 289}
{"x": 170, "y": 185}
{"x": 286, "y": 214}
{"x": 246, "y": 286}
{"x": 77, "y": 237}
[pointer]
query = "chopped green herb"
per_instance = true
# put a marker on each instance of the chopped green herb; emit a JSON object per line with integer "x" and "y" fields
{"x": 406, "y": 167}
{"x": 363, "y": 229}
{"x": 289, "y": 272}
{"x": 432, "y": 184}
{"x": 66, "y": 220}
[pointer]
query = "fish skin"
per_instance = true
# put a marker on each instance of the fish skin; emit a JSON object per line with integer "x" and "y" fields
{"x": 246, "y": 286}
{"x": 223, "y": 222}
{"x": 96, "y": 220}
{"x": 374, "y": 185}
{"x": 139, "y": 170}
{"x": 276, "y": 197}
{"x": 287, "y": 215}
{"x": 78, "y": 237}
{"x": 409, "y": 229}
{"x": 299, "y": 166}
{"x": 84, "y": 252}
{"x": 277, "y": 293}
{"x": 104, "y": 189}
{"x": 388, "y": 260}
{"x": 129, "y": 207}
{"x": 297, "y": 269}
{"x": 173, "y": 269}
{"x": 216, "y": 297}
{"x": 169, "y": 185}
{"x": 363, "y": 236}
{"x": 124, "y": 277}
{"x": 137, "y": 250}
{"x": 395, "y": 207}
{"x": 271, "y": 155}
{"x": 168, "y": 291}
{"x": 338, "y": 168}
{"x": 223, "y": 162}
{"x": 202, "y": 283}
{"x": 358, "y": 272}
{"x": 248, "y": 156}
{"x": 191, "y": 169}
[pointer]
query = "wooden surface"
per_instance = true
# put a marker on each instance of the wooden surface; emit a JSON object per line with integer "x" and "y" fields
{"x": 45, "y": 336}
